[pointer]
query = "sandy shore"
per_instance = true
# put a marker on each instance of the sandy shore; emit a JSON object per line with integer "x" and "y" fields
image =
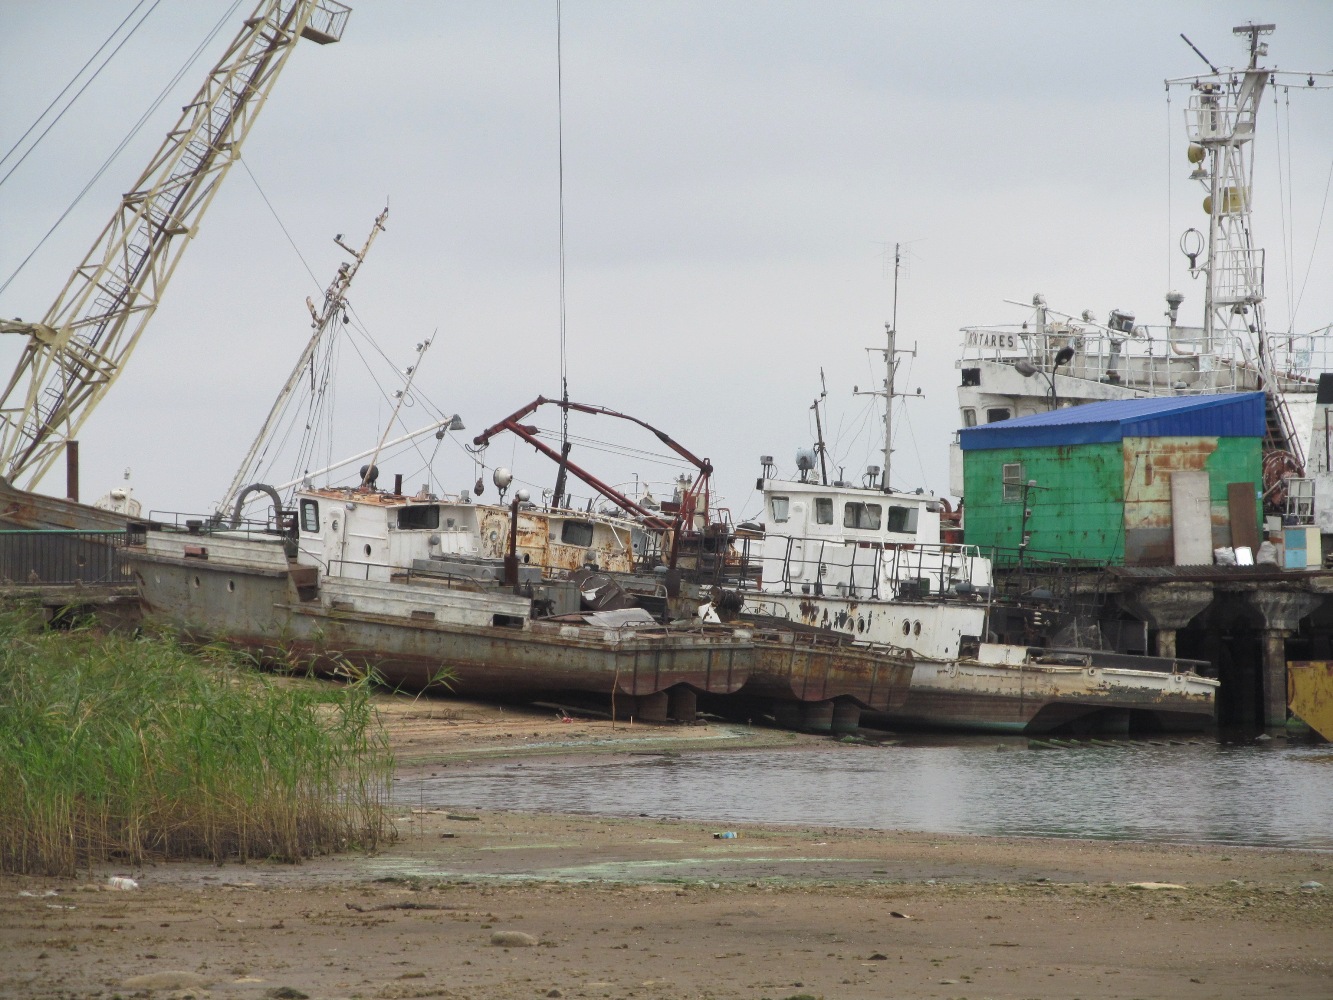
{"x": 511, "y": 905}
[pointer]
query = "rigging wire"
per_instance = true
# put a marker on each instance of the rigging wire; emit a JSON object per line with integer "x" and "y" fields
{"x": 121, "y": 146}
{"x": 1284, "y": 205}
{"x": 612, "y": 448}
{"x": 308, "y": 417}
{"x": 906, "y": 419}
{"x": 916, "y": 445}
{"x": 125, "y": 142}
{"x": 1318, "y": 229}
{"x": 1290, "y": 213}
{"x": 862, "y": 434}
{"x": 418, "y": 395}
{"x": 1170, "y": 222}
{"x": 82, "y": 69}
{"x": 281, "y": 225}
{"x": 560, "y": 141}
{"x": 319, "y": 408}
{"x": 363, "y": 331}
{"x": 315, "y": 419}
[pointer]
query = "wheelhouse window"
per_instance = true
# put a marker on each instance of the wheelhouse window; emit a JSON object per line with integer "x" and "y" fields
{"x": 1012, "y": 476}
{"x": 576, "y": 533}
{"x": 903, "y": 519}
{"x": 996, "y": 414}
{"x": 823, "y": 510}
{"x": 424, "y": 516}
{"x": 865, "y": 516}
{"x": 779, "y": 507}
{"x": 969, "y": 417}
{"x": 310, "y": 516}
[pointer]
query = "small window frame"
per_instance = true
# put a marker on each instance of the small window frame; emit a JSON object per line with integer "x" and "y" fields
{"x": 903, "y": 518}
{"x": 997, "y": 414}
{"x": 310, "y": 517}
{"x": 576, "y": 533}
{"x": 419, "y": 517}
{"x": 1011, "y": 480}
{"x": 823, "y": 510}
{"x": 780, "y": 509}
{"x": 862, "y": 516}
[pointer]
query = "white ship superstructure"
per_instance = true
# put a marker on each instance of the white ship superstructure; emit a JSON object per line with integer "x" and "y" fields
{"x": 870, "y": 564}
{"x": 1053, "y": 359}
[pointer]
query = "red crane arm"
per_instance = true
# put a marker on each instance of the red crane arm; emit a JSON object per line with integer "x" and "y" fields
{"x": 509, "y": 422}
{"x": 528, "y": 433}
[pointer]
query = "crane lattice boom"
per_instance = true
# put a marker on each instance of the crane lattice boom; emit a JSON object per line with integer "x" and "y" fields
{"x": 80, "y": 347}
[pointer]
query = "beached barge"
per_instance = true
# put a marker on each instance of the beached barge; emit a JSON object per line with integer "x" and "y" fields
{"x": 416, "y": 615}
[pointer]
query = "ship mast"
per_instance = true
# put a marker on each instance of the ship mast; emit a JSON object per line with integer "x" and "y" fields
{"x": 1220, "y": 122}
{"x": 335, "y": 298}
{"x": 891, "y": 353}
{"x": 891, "y": 330}
{"x": 78, "y": 350}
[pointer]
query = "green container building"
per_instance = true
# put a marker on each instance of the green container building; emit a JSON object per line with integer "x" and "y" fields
{"x": 1148, "y": 482}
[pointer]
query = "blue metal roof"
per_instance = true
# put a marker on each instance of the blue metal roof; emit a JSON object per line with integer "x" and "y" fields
{"x": 1237, "y": 414}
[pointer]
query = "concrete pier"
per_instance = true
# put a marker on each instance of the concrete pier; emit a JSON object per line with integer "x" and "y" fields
{"x": 1246, "y": 621}
{"x": 1168, "y": 608}
{"x": 1282, "y": 611}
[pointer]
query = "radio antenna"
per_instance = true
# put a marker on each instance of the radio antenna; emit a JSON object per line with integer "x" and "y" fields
{"x": 1200, "y": 54}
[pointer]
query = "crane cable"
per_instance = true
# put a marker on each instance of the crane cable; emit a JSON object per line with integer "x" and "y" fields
{"x": 560, "y": 142}
{"x": 129, "y": 137}
{"x": 82, "y": 69}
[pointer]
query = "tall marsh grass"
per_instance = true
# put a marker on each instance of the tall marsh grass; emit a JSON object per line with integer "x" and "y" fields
{"x": 117, "y": 748}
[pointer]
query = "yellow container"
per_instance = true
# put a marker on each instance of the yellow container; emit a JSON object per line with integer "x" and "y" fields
{"x": 1310, "y": 694}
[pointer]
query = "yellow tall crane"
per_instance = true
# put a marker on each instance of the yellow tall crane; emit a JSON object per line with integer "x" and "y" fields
{"x": 79, "y": 348}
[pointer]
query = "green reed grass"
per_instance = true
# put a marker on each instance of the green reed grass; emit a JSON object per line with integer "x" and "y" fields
{"x": 121, "y": 748}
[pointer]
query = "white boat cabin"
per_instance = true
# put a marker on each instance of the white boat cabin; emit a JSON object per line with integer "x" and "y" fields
{"x": 369, "y": 535}
{"x": 860, "y": 543}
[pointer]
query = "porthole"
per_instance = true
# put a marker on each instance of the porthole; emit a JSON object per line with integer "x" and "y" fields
{"x": 907, "y": 627}
{"x": 231, "y": 586}
{"x": 367, "y": 551}
{"x": 916, "y": 628}
{"x": 196, "y": 581}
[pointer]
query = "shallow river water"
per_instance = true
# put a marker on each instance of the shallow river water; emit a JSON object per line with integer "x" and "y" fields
{"x": 1269, "y": 794}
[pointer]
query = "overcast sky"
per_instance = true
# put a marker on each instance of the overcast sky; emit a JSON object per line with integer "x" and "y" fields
{"x": 735, "y": 175}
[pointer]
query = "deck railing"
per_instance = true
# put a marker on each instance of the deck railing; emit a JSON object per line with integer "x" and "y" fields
{"x": 872, "y": 570}
{"x": 1159, "y": 358}
{"x": 63, "y": 558}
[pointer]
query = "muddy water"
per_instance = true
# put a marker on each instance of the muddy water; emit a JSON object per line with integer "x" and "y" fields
{"x": 1270, "y": 794}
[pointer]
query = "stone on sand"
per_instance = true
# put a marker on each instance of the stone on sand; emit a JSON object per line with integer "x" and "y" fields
{"x": 513, "y": 939}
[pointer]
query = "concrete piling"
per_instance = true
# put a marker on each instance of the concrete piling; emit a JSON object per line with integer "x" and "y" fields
{"x": 817, "y": 716}
{"x": 846, "y": 718}
{"x": 683, "y": 704}
{"x": 651, "y": 707}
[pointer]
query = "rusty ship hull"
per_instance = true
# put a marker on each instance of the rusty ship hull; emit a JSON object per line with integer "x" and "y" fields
{"x": 793, "y": 666}
{"x": 245, "y": 591}
{"x": 1009, "y": 689}
{"x": 1076, "y": 694}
